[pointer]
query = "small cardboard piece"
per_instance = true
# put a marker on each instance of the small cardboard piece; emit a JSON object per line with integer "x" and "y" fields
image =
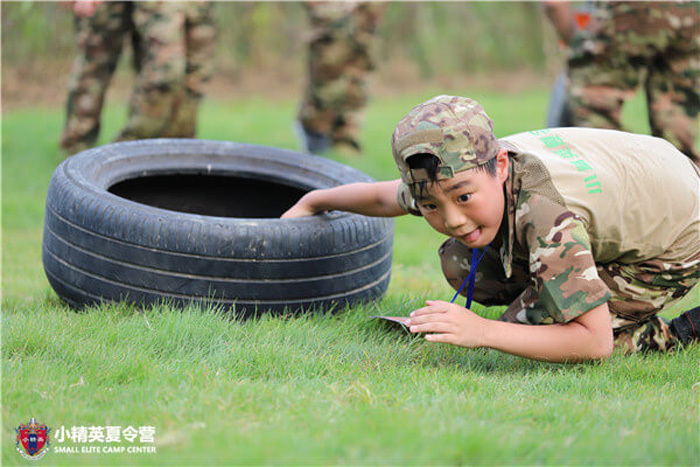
{"x": 397, "y": 320}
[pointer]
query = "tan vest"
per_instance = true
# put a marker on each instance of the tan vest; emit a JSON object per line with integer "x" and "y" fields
{"x": 638, "y": 196}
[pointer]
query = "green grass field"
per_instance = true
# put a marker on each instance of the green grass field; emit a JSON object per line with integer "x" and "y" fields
{"x": 331, "y": 389}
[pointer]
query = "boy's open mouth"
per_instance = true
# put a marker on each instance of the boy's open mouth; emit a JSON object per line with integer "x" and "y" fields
{"x": 471, "y": 237}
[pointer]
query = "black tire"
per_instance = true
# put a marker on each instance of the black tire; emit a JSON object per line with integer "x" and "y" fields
{"x": 161, "y": 220}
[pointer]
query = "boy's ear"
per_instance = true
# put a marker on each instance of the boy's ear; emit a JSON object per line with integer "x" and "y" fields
{"x": 502, "y": 165}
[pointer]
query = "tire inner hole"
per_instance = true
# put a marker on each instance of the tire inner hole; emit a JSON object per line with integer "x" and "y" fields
{"x": 211, "y": 195}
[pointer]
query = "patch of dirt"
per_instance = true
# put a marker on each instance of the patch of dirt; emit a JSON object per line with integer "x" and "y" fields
{"x": 44, "y": 84}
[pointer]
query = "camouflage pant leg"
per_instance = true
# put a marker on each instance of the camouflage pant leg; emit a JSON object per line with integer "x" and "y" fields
{"x": 100, "y": 40}
{"x": 653, "y": 334}
{"x": 673, "y": 96}
{"x": 631, "y": 43}
{"x": 200, "y": 40}
{"x": 341, "y": 58}
{"x": 162, "y": 104}
{"x": 597, "y": 92}
{"x": 639, "y": 292}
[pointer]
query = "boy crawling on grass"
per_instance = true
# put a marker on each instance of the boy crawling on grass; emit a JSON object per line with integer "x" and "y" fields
{"x": 592, "y": 232}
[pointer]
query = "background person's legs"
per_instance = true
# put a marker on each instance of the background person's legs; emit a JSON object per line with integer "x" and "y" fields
{"x": 200, "y": 41}
{"x": 160, "y": 84}
{"x": 100, "y": 41}
{"x": 341, "y": 58}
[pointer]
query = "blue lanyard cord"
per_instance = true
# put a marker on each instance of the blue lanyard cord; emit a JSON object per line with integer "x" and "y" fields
{"x": 471, "y": 278}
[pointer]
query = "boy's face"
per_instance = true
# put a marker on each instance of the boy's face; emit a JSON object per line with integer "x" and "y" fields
{"x": 468, "y": 207}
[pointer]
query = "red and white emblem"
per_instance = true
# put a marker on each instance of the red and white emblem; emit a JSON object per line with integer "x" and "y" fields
{"x": 33, "y": 439}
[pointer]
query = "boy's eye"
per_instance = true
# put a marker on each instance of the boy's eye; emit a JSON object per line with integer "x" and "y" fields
{"x": 464, "y": 198}
{"x": 428, "y": 206}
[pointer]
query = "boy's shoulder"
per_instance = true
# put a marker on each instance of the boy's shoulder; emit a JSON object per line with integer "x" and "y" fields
{"x": 592, "y": 164}
{"x": 612, "y": 182}
{"x": 593, "y": 145}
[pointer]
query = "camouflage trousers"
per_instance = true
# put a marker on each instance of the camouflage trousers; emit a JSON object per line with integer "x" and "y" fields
{"x": 628, "y": 44}
{"x": 173, "y": 46}
{"x": 100, "y": 39}
{"x": 341, "y": 57}
{"x": 639, "y": 292}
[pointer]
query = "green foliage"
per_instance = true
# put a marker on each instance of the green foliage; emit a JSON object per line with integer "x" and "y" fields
{"x": 466, "y": 36}
{"x": 335, "y": 388}
{"x": 445, "y": 36}
{"x": 35, "y": 30}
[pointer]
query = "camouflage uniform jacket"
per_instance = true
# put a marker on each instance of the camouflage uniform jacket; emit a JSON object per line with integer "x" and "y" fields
{"x": 577, "y": 198}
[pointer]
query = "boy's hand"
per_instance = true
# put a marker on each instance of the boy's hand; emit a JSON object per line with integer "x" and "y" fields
{"x": 448, "y": 323}
{"x": 85, "y": 8}
{"x": 300, "y": 209}
{"x": 376, "y": 199}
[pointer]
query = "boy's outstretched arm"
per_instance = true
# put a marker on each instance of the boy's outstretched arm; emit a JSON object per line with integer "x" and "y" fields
{"x": 587, "y": 337}
{"x": 370, "y": 199}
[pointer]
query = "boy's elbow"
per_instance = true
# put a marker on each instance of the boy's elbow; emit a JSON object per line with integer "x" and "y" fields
{"x": 594, "y": 353}
{"x": 609, "y": 347}
{"x": 598, "y": 327}
{"x": 603, "y": 347}
{"x": 597, "y": 348}
{"x": 603, "y": 352}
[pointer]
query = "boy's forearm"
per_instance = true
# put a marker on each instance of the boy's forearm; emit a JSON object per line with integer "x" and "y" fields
{"x": 589, "y": 337}
{"x": 370, "y": 199}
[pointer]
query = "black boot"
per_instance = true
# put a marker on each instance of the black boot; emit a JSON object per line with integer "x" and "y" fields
{"x": 310, "y": 141}
{"x": 687, "y": 326}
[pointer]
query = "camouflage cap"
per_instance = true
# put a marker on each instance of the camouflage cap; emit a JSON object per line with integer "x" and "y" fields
{"x": 454, "y": 129}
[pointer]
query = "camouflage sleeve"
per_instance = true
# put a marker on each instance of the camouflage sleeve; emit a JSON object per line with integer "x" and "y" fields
{"x": 564, "y": 282}
{"x": 406, "y": 201}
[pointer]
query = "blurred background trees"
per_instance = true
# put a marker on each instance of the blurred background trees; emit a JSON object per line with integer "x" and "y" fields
{"x": 449, "y": 36}
{"x": 420, "y": 42}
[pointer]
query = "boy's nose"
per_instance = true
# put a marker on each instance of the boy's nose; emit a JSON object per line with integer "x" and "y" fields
{"x": 454, "y": 219}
